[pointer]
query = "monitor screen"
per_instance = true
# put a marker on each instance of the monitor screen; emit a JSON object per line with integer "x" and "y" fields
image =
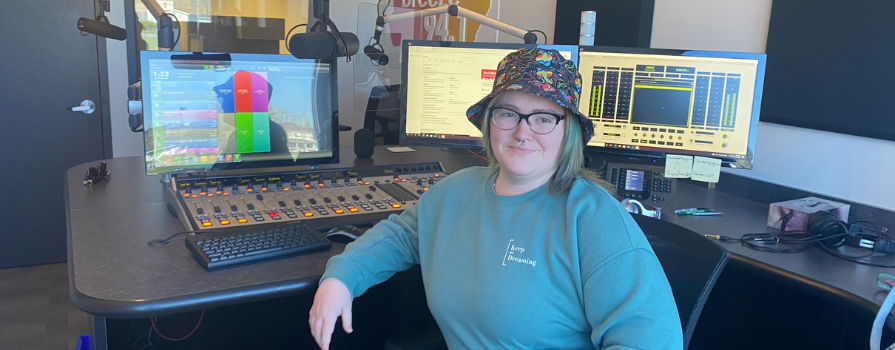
{"x": 440, "y": 80}
{"x": 208, "y": 112}
{"x": 647, "y": 103}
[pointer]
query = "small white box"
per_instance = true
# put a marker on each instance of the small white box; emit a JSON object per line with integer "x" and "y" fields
{"x": 796, "y": 212}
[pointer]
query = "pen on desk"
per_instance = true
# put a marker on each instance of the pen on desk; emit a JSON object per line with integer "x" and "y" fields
{"x": 711, "y": 213}
{"x": 691, "y": 210}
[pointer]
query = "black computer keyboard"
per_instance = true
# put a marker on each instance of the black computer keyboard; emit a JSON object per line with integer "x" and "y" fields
{"x": 245, "y": 245}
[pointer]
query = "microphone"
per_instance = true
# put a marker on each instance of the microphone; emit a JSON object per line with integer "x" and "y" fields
{"x": 322, "y": 45}
{"x": 100, "y": 28}
{"x": 376, "y": 55}
{"x": 375, "y": 51}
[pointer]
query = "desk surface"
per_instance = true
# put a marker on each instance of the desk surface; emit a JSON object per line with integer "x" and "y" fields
{"x": 113, "y": 273}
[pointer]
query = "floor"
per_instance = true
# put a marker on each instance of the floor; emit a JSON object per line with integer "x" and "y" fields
{"x": 35, "y": 310}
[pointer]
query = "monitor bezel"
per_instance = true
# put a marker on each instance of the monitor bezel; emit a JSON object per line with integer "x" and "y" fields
{"x": 474, "y": 143}
{"x": 146, "y": 55}
{"x": 658, "y": 157}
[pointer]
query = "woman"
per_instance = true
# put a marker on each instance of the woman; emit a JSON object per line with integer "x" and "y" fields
{"x": 528, "y": 253}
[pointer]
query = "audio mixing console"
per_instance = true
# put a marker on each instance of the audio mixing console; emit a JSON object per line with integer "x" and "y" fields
{"x": 319, "y": 198}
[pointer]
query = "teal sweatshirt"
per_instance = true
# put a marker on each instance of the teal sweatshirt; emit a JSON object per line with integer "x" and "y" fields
{"x": 533, "y": 271}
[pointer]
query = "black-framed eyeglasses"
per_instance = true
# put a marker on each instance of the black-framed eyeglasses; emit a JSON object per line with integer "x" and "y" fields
{"x": 540, "y": 123}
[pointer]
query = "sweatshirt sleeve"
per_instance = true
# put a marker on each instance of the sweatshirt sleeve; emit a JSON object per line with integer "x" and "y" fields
{"x": 627, "y": 299}
{"x": 629, "y": 304}
{"x": 389, "y": 247}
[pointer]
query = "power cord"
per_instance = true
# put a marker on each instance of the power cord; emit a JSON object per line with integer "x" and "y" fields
{"x": 800, "y": 241}
{"x": 152, "y": 319}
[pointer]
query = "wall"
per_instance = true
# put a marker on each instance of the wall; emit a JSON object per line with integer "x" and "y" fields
{"x": 849, "y": 167}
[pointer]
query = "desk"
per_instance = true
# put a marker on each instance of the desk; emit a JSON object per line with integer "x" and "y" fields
{"x": 114, "y": 274}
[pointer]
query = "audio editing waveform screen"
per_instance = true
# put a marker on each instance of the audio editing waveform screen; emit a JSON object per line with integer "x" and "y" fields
{"x": 671, "y": 103}
{"x": 441, "y": 82}
{"x": 203, "y": 114}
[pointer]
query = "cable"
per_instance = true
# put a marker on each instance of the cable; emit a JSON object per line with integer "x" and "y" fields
{"x": 386, "y": 6}
{"x": 155, "y": 242}
{"x": 477, "y": 155}
{"x": 176, "y": 39}
{"x": 289, "y": 34}
{"x": 338, "y": 34}
{"x": 177, "y": 339}
{"x": 876, "y": 331}
{"x": 542, "y": 33}
{"x": 767, "y": 242}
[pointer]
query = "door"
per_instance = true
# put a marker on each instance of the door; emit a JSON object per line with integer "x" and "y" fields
{"x": 46, "y": 66}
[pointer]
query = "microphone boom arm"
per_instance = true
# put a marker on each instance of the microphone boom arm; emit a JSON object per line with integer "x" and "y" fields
{"x": 456, "y": 11}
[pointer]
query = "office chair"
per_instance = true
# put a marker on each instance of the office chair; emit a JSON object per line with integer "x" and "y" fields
{"x": 692, "y": 264}
{"x": 383, "y": 108}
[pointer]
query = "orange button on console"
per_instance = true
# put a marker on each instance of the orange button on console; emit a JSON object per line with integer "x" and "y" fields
{"x": 242, "y": 220}
{"x": 339, "y": 211}
{"x": 396, "y": 205}
{"x": 225, "y": 222}
{"x": 307, "y": 213}
{"x": 352, "y": 210}
{"x": 206, "y": 223}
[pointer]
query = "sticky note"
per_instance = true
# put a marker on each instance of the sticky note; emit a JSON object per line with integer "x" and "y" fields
{"x": 678, "y": 166}
{"x": 400, "y": 149}
{"x": 706, "y": 169}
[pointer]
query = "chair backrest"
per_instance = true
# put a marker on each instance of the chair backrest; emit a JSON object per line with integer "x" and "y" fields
{"x": 692, "y": 264}
{"x": 384, "y": 108}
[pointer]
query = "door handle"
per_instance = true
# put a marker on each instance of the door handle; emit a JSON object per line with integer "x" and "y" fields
{"x": 86, "y": 107}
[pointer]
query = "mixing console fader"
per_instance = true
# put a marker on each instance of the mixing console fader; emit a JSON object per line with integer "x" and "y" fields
{"x": 319, "y": 198}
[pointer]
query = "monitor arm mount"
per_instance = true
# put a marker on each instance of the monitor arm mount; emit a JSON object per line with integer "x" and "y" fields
{"x": 375, "y": 51}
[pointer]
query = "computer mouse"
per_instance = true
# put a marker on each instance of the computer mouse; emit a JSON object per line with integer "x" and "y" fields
{"x": 343, "y": 234}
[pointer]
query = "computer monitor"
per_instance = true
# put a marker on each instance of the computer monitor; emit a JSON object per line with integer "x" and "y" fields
{"x": 647, "y": 103}
{"x": 209, "y": 112}
{"x": 440, "y": 80}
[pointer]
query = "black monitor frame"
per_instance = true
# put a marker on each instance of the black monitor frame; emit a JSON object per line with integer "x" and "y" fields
{"x": 222, "y": 58}
{"x": 472, "y": 142}
{"x": 658, "y": 158}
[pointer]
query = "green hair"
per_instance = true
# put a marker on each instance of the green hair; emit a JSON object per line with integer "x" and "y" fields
{"x": 569, "y": 164}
